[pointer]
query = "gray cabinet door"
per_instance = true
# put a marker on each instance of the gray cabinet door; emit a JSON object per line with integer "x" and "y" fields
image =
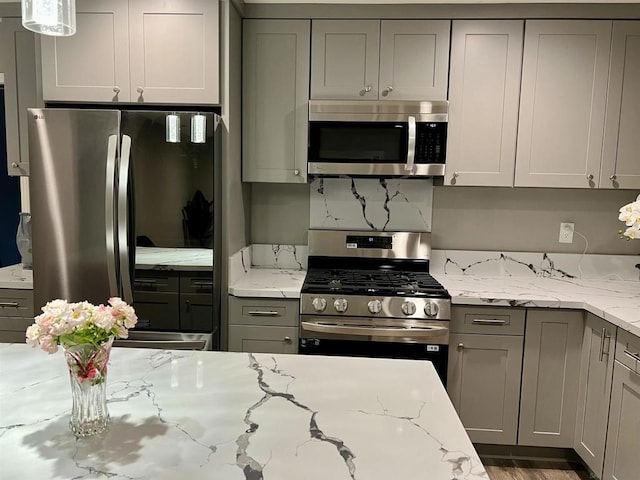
{"x": 594, "y": 392}
{"x": 345, "y": 59}
{"x": 93, "y": 64}
{"x": 18, "y": 63}
{"x": 174, "y": 52}
{"x": 562, "y": 104}
{"x": 620, "y": 164}
{"x": 263, "y": 339}
{"x": 622, "y": 461}
{"x": 484, "y": 385}
{"x": 414, "y": 59}
{"x": 550, "y": 373}
{"x": 196, "y": 312}
{"x": 484, "y": 93}
{"x": 275, "y": 100}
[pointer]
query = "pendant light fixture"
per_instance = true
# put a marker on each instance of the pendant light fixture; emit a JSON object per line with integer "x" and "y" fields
{"x": 50, "y": 17}
{"x": 198, "y": 128}
{"x": 172, "y": 128}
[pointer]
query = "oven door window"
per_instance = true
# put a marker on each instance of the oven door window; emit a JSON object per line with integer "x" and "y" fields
{"x": 358, "y": 142}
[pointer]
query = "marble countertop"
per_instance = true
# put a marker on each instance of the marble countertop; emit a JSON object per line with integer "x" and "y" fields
{"x": 190, "y": 259}
{"x": 614, "y": 300}
{"x": 220, "y": 415}
{"x": 15, "y": 276}
{"x": 269, "y": 282}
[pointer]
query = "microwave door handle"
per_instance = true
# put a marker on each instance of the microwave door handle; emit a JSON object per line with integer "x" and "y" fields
{"x": 411, "y": 144}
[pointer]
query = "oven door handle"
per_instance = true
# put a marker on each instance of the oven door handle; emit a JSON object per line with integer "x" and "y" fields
{"x": 411, "y": 144}
{"x": 369, "y": 331}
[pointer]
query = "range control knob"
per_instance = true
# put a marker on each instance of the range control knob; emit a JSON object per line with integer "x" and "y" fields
{"x": 341, "y": 305}
{"x": 374, "y": 306}
{"x": 319, "y": 304}
{"x": 431, "y": 309}
{"x": 408, "y": 308}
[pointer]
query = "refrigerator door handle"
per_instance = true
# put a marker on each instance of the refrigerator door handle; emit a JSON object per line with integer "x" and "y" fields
{"x": 123, "y": 219}
{"x": 111, "y": 240}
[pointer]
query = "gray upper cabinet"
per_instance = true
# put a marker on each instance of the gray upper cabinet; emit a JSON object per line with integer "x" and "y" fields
{"x": 550, "y": 373}
{"x": 594, "y": 392}
{"x": 136, "y": 51}
{"x": 275, "y": 100}
{"x": 562, "y": 106}
{"x": 344, "y": 59}
{"x": 379, "y": 60}
{"x": 620, "y": 160}
{"x": 484, "y": 92}
{"x": 18, "y": 64}
{"x": 414, "y": 59}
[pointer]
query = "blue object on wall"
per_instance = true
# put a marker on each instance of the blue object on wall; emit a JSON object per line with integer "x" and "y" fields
{"x": 9, "y": 200}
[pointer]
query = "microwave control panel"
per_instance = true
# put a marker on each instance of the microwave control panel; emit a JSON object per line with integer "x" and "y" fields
{"x": 431, "y": 142}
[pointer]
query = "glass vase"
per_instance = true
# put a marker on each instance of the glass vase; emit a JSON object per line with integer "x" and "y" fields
{"x": 87, "y": 365}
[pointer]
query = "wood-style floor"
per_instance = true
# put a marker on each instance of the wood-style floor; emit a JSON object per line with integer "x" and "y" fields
{"x": 499, "y": 469}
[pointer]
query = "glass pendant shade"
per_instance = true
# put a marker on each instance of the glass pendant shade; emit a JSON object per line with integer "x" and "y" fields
{"x": 198, "y": 128}
{"x": 173, "y": 128}
{"x": 50, "y": 17}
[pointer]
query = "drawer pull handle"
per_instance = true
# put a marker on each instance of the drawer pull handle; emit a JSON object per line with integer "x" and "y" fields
{"x": 489, "y": 321}
{"x": 263, "y": 313}
{"x": 9, "y": 304}
{"x": 602, "y": 340}
{"x": 202, "y": 284}
{"x": 635, "y": 356}
{"x": 145, "y": 280}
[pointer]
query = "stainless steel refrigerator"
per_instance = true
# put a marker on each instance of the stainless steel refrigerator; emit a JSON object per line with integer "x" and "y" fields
{"x": 125, "y": 203}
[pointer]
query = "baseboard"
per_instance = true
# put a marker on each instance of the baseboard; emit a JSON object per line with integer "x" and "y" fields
{"x": 517, "y": 452}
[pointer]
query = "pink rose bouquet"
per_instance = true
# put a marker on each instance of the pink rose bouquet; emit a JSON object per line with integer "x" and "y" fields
{"x": 69, "y": 324}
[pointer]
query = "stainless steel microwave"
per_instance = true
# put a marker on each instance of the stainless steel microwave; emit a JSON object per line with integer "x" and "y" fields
{"x": 377, "y": 138}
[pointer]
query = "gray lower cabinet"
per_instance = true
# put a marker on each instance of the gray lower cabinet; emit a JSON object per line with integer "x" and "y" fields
{"x": 594, "y": 392}
{"x": 550, "y": 373}
{"x": 263, "y": 325}
{"x": 275, "y": 96}
{"x": 485, "y": 364}
{"x": 622, "y": 461}
{"x": 16, "y": 314}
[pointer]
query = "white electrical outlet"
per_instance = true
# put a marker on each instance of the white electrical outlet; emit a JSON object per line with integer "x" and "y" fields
{"x": 566, "y": 232}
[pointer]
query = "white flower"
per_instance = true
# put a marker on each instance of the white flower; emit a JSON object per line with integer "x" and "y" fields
{"x": 630, "y": 215}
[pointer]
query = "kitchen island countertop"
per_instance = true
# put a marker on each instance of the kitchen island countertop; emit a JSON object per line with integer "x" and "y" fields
{"x": 197, "y": 415}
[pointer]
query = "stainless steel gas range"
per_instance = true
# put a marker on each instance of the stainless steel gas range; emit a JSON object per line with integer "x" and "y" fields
{"x": 371, "y": 294}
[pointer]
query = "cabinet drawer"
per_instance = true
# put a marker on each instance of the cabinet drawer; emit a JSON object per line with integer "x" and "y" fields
{"x": 16, "y": 303}
{"x": 487, "y": 320}
{"x": 263, "y": 339}
{"x": 153, "y": 281}
{"x": 628, "y": 350}
{"x": 259, "y": 311}
{"x": 196, "y": 283}
{"x": 14, "y": 327}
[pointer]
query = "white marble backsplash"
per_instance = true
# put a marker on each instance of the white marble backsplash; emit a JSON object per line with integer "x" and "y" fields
{"x": 277, "y": 256}
{"x": 292, "y": 257}
{"x": 395, "y": 204}
{"x": 527, "y": 264}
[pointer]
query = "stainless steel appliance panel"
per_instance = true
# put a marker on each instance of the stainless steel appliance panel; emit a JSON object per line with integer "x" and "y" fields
{"x": 404, "y": 245}
{"x": 73, "y": 168}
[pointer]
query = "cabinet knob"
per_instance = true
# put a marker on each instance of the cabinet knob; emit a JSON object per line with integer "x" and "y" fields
{"x": 460, "y": 346}
{"x": 14, "y": 165}
{"x": 590, "y": 177}
{"x": 296, "y": 172}
{"x": 387, "y": 90}
{"x": 116, "y": 90}
{"x": 613, "y": 177}
{"x": 366, "y": 90}
{"x": 140, "y": 90}
{"x": 456, "y": 174}
{"x": 287, "y": 339}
